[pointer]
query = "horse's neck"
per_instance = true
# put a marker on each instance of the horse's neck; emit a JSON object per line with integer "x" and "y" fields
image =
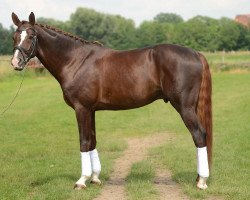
{"x": 55, "y": 51}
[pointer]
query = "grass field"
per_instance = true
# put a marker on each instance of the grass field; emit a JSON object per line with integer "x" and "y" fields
{"x": 225, "y": 61}
{"x": 229, "y": 57}
{"x": 39, "y": 151}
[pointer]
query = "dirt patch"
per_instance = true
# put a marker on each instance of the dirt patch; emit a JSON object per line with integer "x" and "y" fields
{"x": 137, "y": 150}
{"x": 166, "y": 187}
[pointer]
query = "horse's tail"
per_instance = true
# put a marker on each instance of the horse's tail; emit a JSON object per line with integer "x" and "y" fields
{"x": 204, "y": 106}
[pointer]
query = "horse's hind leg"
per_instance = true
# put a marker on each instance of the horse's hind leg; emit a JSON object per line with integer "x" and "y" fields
{"x": 186, "y": 106}
{"x": 198, "y": 133}
{"x": 191, "y": 121}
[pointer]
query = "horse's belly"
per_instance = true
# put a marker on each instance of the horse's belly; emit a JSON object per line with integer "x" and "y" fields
{"x": 124, "y": 102}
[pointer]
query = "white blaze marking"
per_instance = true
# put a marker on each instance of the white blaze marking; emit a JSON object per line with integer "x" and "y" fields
{"x": 23, "y": 36}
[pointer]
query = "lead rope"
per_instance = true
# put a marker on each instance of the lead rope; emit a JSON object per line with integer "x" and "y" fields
{"x": 14, "y": 98}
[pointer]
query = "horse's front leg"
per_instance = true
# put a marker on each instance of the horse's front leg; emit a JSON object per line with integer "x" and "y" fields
{"x": 95, "y": 161}
{"x": 89, "y": 156}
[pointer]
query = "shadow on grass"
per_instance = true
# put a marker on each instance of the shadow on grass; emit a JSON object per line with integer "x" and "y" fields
{"x": 139, "y": 176}
{"x": 45, "y": 180}
{"x": 185, "y": 177}
{"x": 189, "y": 178}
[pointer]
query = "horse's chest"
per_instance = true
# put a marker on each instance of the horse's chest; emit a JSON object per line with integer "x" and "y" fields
{"x": 79, "y": 93}
{"x": 67, "y": 99}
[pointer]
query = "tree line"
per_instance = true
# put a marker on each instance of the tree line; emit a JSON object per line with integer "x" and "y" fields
{"x": 200, "y": 33}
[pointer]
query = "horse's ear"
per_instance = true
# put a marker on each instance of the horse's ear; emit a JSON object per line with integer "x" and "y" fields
{"x": 32, "y": 19}
{"x": 15, "y": 19}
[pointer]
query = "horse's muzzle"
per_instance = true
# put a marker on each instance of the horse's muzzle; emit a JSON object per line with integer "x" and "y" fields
{"x": 18, "y": 64}
{"x": 18, "y": 68}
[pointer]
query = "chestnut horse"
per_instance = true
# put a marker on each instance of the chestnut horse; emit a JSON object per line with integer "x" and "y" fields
{"x": 94, "y": 77}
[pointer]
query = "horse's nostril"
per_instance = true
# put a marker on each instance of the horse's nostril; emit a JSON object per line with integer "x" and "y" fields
{"x": 20, "y": 60}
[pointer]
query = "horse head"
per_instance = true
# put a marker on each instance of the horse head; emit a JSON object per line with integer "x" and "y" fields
{"x": 25, "y": 41}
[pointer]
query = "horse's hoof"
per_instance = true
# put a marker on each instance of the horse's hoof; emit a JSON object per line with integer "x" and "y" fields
{"x": 79, "y": 186}
{"x": 202, "y": 187}
{"x": 201, "y": 184}
{"x": 96, "y": 181}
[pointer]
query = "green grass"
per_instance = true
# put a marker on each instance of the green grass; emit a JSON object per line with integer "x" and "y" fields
{"x": 226, "y": 61}
{"x": 39, "y": 148}
{"x": 140, "y": 181}
{"x": 5, "y": 68}
{"x": 229, "y": 57}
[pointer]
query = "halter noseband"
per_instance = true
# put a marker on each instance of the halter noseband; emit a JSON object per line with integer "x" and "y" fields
{"x": 26, "y": 52}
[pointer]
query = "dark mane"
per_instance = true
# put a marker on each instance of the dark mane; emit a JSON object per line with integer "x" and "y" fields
{"x": 69, "y": 35}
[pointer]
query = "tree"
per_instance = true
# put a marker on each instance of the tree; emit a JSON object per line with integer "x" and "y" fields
{"x": 199, "y": 33}
{"x": 6, "y": 44}
{"x": 243, "y": 39}
{"x": 230, "y": 35}
{"x": 151, "y": 33}
{"x": 113, "y": 30}
{"x": 86, "y": 23}
{"x": 120, "y": 32}
{"x": 247, "y": 39}
{"x": 171, "y": 18}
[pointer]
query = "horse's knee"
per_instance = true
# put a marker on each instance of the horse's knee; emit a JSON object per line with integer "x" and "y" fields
{"x": 199, "y": 138}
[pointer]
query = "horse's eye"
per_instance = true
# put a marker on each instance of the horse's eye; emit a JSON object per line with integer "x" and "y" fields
{"x": 31, "y": 37}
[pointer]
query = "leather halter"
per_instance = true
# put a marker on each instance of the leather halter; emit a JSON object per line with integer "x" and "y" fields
{"x": 26, "y": 52}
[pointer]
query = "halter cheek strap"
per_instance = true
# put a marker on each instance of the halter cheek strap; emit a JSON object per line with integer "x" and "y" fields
{"x": 24, "y": 51}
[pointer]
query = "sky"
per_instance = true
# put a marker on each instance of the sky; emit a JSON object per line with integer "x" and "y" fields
{"x": 138, "y": 10}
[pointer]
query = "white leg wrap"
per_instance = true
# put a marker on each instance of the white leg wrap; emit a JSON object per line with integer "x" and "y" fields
{"x": 86, "y": 168}
{"x": 86, "y": 164}
{"x": 95, "y": 162}
{"x": 202, "y": 162}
